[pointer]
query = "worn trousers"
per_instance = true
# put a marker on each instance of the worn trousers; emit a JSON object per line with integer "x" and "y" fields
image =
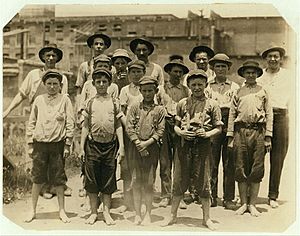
{"x": 166, "y": 158}
{"x": 279, "y": 149}
{"x": 219, "y": 149}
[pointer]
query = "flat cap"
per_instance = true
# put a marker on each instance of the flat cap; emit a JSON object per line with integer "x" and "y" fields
{"x": 99, "y": 71}
{"x": 220, "y": 57}
{"x": 148, "y": 80}
{"x": 198, "y": 73}
{"x": 137, "y": 64}
{"x": 53, "y": 73}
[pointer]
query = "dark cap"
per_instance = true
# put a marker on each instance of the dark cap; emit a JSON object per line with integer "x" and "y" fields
{"x": 137, "y": 64}
{"x": 51, "y": 47}
{"x": 102, "y": 57}
{"x": 250, "y": 64}
{"x": 52, "y": 72}
{"x": 176, "y": 62}
{"x": 198, "y": 49}
{"x": 133, "y": 44}
{"x": 106, "y": 39}
{"x": 198, "y": 73}
{"x": 148, "y": 80}
{"x": 99, "y": 71}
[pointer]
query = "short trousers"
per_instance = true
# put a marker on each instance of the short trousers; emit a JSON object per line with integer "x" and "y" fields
{"x": 48, "y": 163}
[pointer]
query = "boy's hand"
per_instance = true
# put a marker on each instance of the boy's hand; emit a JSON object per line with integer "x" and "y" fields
{"x": 30, "y": 149}
{"x": 142, "y": 145}
{"x": 144, "y": 153}
{"x": 67, "y": 151}
{"x": 82, "y": 156}
{"x": 268, "y": 143}
{"x": 201, "y": 133}
{"x": 188, "y": 135}
{"x": 230, "y": 142}
{"x": 120, "y": 154}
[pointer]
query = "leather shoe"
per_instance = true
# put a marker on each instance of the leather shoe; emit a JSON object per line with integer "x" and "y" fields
{"x": 214, "y": 202}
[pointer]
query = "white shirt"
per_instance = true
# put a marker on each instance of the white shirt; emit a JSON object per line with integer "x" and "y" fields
{"x": 278, "y": 86}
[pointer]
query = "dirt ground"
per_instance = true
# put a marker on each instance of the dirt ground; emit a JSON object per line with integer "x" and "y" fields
{"x": 189, "y": 220}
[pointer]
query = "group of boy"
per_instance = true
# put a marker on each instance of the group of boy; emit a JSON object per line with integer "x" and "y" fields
{"x": 186, "y": 124}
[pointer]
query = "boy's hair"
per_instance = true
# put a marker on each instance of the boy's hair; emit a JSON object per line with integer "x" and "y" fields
{"x": 196, "y": 74}
{"x": 52, "y": 72}
{"x": 99, "y": 71}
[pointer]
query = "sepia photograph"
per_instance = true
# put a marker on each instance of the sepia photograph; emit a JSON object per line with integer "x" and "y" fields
{"x": 147, "y": 118}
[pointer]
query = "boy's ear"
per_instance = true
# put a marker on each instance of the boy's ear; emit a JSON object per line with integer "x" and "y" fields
{"x": 206, "y": 84}
{"x": 156, "y": 90}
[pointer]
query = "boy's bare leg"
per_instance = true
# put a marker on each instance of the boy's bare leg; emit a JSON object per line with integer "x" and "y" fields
{"x": 254, "y": 189}
{"x": 127, "y": 196}
{"x": 206, "y": 218}
{"x": 106, "y": 209}
{"x": 94, "y": 205}
{"x": 148, "y": 202}
{"x": 174, "y": 208}
{"x": 36, "y": 189}
{"x": 61, "y": 204}
{"x": 243, "y": 191}
{"x": 137, "y": 201}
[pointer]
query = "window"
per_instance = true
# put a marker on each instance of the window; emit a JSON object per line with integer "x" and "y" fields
{"x": 30, "y": 55}
{"x": 131, "y": 33}
{"x": 117, "y": 27}
{"x": 5, "y": 55}
{"x": 18, "y": 55}
{"x": 19, "y": 39}
{"x": 6, "y": 41}
{"x": 59, "y": 28}
{"x": 47, "y": 28}
{"x": 31, "y": 39}
{"x": 73, "y": 27}
{"x": 102, "y": 27}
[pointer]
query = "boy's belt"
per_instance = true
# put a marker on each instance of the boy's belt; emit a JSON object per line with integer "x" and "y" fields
{"x": 256, "y": 126}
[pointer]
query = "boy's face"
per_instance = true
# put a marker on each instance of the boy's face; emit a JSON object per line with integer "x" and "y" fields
{"x": 101, "y": 84}
{"x": 142, "y": 52}
{"x": 221, "y": 69}
{"x": 273, "y": 60}
{"x": 176, "y": 73}
{"x": 197, "y": 86}
{"x": 148, "y": 91}
{"x": 53, "y": 85}
{"x": 98, "y": 46}
{"x": 102, "y": 65}
{"x": 50, "y": 58}
{"x": 135, "y": 74}
{"x": 201, "y": 60}
{"x": 120, "y": 64}
{"x": 250, "y": 74}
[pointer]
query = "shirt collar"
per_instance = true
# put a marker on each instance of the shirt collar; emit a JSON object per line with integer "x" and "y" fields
{"x": 214, "y": 81}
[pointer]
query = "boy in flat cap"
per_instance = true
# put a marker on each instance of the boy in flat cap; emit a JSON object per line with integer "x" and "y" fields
{"x": 222, "y": 90}
{"x": 129, "y": 95}
{"x": 98, "y": 43}
{"x": 99, "y": 146}
{"x": 50, "y": 133}
{"x": 32, "y": 86}
{"x": 120, "y": 60}
{"x": 200, "y": 55}
{"x": 275, "y": 80}
{"x": 197, "y": 119}
{"x": 143, "y": 48}
{"x": 145, "y": 126}
{"x": 169, "y": 95}
{"x": 249, "y": 132}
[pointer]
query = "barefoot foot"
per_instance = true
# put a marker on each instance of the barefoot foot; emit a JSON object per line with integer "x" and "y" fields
{"x": 107, "y": 219}
{"x": 209, "y": 224}
{"x": 63, "y": 217}
{"x": 253, "y": 211}
{"x": 171, "y": 221}
{"x": 30, "y": 217}
{"x": 92, "y": 219}
{"x": 122, "y": 209}
{"x": 146, "y": 220}
{"x": 137, "y": 220}
{"x": 241, "y": 210}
